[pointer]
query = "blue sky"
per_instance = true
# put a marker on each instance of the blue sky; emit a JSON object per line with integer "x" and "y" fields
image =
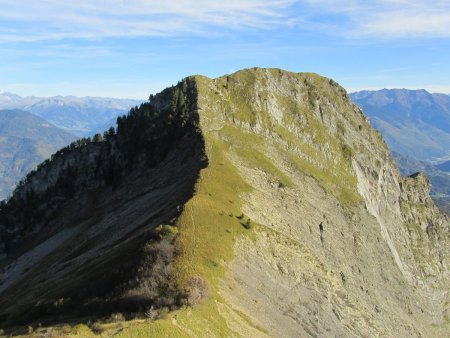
{"x": 136, "y": 47}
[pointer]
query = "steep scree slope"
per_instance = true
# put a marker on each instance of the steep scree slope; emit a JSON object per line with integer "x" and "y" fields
{"x": 300, "y": 224}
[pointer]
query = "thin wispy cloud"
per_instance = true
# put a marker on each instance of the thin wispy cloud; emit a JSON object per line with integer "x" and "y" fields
{"x": 386, "y": 18}
{"x": 87, "y": 19}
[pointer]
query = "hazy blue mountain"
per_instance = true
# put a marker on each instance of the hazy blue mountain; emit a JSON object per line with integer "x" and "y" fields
{"x": 413, "y": 122}
{"x": 445, "y": 166}
{"x": 25, "y": 141}
{"x": 79, "y": 115}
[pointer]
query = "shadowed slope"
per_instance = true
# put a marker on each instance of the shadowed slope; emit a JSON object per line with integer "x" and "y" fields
{"x": 73, "y": 233}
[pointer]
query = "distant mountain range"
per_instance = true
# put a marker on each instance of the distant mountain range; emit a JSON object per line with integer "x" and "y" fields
{"x": 413, "y": 122}
{"x": 82, "y": 116}
{"x": 445, "y": 166}
{"x": 25, "y": 141}
{"x": 32, "y": 128}
{"x": 416, "y": 126}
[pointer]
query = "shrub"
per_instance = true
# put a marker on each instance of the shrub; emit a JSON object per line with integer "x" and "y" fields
{"x": 152, "y": 313}
{"x": 340, "y": 128}
{"x": 82, "y": 330}
{"x": 165, "y": 230}
{"x": 97, "y": 328}
{"x": 116, "y": 317}
{"x": 153, "y": 284}
{"x": 66, "y": 329}
{"x": 164, "y": 313}
{"x": 198, "y": 290}
{"x": 247, "y": 224}
{"x": 347, "y": 151}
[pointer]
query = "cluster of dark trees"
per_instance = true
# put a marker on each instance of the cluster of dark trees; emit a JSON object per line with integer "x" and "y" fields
{"x": 143, "y": 137}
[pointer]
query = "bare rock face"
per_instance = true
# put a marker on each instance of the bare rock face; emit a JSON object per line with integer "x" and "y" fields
{"x": 299, "y": 225}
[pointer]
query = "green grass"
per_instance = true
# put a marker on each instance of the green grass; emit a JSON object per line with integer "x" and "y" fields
{"x": 206, "y": 231}
{"x": 202, "y": 321}
{"x": 158, "y": 328}
{"x": 249, "y": 147}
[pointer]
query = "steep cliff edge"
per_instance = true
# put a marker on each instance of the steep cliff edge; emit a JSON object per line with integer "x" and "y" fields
{"x": 300, "y": 224}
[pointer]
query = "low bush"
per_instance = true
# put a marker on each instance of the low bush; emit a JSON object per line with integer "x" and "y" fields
{"x": 198, "y": 290}
{"x": 247, "y": 224}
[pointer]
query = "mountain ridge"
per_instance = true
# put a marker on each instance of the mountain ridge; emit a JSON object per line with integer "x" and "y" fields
{"x": 295, "y": 219}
